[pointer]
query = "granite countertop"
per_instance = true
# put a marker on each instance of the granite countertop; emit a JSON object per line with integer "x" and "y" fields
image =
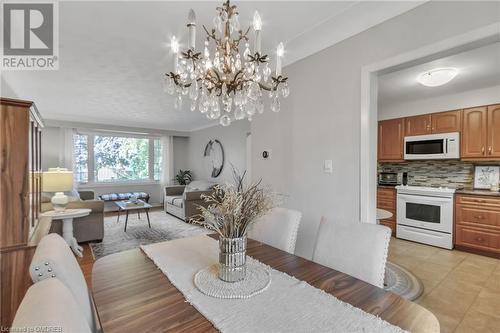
{"x": 478, "y": 192}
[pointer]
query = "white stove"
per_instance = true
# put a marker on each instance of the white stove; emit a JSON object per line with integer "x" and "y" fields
{"x": 425, "y": 215}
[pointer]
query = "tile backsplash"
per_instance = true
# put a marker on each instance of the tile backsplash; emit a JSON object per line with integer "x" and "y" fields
{"x": 435, "y": 173}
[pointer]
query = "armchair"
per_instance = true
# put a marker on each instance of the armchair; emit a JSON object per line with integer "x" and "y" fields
{"x": 183, "y": 204}
{"x": 87, "y": 228}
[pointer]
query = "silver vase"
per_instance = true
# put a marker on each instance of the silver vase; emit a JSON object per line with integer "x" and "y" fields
{"x": 232, "y": 258}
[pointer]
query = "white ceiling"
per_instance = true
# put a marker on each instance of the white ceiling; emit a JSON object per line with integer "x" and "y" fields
{"x": 113, "y": 54}
{"x": 477, "y": 68}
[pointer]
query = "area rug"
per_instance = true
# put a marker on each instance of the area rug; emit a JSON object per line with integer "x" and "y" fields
{"x": 163, "y": 227}
{"x": 402, "y": 282}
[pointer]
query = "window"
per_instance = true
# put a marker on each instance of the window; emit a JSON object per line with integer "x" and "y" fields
{"x": 104, "y": 158}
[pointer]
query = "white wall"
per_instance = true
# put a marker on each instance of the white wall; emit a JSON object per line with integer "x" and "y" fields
{"x": 181, "y": 147}
{"x": 321, "y": 118}
{"x": 471, "y": 98}
{"x": 51, "y": 140}
{"x": 233, "y": 139}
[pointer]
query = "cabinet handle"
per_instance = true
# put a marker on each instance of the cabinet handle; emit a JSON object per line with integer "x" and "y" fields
{"x": 479, "y": 239}
{"x": 479, "y": 217}
{"x": 482, "y": 150}
{"x": 489, "y": 150}
{"x": 480, "y": 201}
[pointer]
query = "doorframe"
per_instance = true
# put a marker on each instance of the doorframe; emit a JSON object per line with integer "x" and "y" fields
{"x": 369, "y": 89}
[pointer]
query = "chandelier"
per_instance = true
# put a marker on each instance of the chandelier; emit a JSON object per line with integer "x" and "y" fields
{"x": 226, "y": 85}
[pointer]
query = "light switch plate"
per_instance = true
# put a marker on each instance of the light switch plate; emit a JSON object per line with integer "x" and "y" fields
{"x": 328, "y": 166}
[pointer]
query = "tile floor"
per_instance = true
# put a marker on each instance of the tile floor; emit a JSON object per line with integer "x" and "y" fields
{"x": 461, "y": 289}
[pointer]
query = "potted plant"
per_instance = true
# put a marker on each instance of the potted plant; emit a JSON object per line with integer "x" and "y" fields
{"x": 184, "y": 177}
{"x": 231, "y": 210}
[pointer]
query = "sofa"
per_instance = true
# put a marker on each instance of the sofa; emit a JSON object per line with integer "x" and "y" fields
{"x": 87, "y": 228}
{"x": 182, "y": 201}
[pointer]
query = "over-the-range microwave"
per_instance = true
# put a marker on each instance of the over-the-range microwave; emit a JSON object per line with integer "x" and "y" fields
{"x": 432, "y": 147}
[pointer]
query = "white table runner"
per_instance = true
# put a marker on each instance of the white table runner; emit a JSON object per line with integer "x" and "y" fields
{"x": 288, "y": 305}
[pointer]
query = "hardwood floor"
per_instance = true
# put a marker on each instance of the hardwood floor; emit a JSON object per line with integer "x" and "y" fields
{"x": 461, "y": 289}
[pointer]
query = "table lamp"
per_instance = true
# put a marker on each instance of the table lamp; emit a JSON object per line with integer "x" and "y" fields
{"x": 58, "y": 180}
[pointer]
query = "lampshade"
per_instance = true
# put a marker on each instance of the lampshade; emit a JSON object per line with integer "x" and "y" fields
{"x": 57, "y": 180}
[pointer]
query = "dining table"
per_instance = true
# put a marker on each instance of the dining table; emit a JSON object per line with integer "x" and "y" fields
{"x": 132, "y": 295}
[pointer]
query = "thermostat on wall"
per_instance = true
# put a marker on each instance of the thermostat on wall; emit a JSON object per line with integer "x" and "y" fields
{"x": 266, "y": 154}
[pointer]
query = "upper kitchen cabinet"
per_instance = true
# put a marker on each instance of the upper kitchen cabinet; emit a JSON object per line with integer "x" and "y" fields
{"x": 442, "y": 122}
{"x": 418, "y": 125}
{"x": 390, "y": 139}
{"x": 474, "y": 132}
{"x": 446, "y": 122}
{"x": 493, "y": 131}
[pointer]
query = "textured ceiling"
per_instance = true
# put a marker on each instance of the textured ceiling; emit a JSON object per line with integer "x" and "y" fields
{"x": 113, "y": 54}
{"x": 478, "y": 68}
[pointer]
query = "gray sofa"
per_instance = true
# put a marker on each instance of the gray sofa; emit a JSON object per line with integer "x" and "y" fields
{"x": 183, "y": 202}
{"x": 87, "y": 228}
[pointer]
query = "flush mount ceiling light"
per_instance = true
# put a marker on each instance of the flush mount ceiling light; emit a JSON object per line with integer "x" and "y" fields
{"x": 437, "y": 77}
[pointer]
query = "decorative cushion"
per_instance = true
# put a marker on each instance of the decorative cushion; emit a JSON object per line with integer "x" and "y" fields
{"x": 178, "y": 202}
{"x": 123, "y": 196}
{"x": 199, "y": 185}
{"x": 170, "y": 198}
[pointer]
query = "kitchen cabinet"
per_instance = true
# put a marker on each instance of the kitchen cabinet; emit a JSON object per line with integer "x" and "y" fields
{"x": 477, "y": 224}
{"x": 441, "y": 122}
{"x": 386, "y": 199}
{"x": 493, "y": 150}
{"x": 390, "y": 140}
{"x": 446, "y": 122}
{"x": 418, "y": 125}
{"x": 474, "y": 133}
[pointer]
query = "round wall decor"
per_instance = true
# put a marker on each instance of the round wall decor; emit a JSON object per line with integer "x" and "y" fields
{"x": 214, "y": 158}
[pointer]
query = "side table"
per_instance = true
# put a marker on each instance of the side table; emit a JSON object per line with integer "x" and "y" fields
{"x": 67, "y": 217}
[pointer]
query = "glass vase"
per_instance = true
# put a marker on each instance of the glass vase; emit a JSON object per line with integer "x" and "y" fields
{"x": 232, "y": 258}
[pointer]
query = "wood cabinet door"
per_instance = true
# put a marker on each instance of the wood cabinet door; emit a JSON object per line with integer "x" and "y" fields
{"x": 474, "y": 133}
{"x": 446, "y": 122}
{"x": 390, "y": 140}
{"x": 493, "y": 149}
{"x": 418, "y": 125}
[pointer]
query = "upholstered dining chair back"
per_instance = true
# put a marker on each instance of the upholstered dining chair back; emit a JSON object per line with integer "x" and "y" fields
{"x": 47, "y": 305}
{"x": 278, "y": 228}
{"x": 54, "y": 259}
{"x": 358, "y": 249}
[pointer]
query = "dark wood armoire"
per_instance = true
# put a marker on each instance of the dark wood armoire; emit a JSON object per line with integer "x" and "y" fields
{"x": 20, "y": 198}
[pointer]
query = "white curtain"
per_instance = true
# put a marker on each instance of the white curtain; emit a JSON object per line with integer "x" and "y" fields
{"x": 167, "y": 168}
{"x": 66, "y": 148}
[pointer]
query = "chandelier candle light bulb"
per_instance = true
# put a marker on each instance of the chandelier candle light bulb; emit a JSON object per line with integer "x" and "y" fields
{"x": 231, "y": 74}
{"x": 257, "y": 27}
{"x": 279, "y": 53}
{"x": 192, "y": 29}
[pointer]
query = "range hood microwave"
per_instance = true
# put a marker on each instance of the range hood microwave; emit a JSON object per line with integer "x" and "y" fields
{"x": 432, "y": 147}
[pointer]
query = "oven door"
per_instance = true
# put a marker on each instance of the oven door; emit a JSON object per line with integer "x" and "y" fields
{"x": 431, "y": 213}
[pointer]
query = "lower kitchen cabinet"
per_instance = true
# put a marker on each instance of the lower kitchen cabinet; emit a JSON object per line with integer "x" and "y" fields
{"x": 386, "y": 199}
{"x": 477, "y": 224}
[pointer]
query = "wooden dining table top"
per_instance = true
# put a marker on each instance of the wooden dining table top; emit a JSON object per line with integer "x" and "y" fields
{"x": 132, "y": 295}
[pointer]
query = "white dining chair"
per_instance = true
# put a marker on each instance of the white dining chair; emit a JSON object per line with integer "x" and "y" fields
{"x": 49, "y": 304}
{"x": 357, "y": 249}
{"x": 54, "y": 259}
{"x": 278, "y": 228}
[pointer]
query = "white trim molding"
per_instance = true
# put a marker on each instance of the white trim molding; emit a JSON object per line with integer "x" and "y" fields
{"x": 369, "y": 73}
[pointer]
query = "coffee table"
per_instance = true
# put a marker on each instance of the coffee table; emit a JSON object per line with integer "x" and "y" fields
{"x": 127, "y": 207}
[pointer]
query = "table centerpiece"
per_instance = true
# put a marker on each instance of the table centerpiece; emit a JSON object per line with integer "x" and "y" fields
{"x": 231, "y": 210}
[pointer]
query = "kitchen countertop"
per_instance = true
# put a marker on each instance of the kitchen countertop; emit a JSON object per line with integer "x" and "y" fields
{"x": 478, "y": 192}
{"x": 387, "y": 186}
